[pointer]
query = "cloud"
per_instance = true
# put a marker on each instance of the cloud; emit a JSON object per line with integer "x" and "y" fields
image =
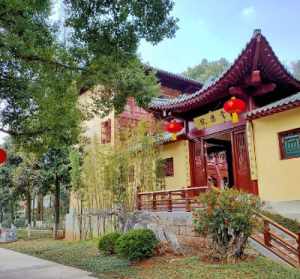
{"x": 248, "y": 12}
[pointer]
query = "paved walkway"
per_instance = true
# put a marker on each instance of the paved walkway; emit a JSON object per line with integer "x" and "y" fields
{"x": 15, "y": 265}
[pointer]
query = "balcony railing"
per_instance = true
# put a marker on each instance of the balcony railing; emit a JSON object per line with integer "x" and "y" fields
{"x": 170, "y": 200}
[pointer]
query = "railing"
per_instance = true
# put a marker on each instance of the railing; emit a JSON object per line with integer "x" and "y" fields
{"x": 170, "y": 200}
{"x": 278, "y": 239}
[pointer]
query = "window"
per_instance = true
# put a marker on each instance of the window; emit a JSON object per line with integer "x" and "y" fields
{"x": 289, "y": 143}
{"x": 106, "y": 132}
{"x": 168, "y": 167}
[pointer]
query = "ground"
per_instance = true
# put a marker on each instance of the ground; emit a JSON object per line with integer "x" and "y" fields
{"x": 85, "y": 255}
{"x": 14, "y": 265}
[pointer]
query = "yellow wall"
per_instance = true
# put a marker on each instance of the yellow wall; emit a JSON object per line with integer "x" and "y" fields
{"x": 278, "y": 180}
{"x": 179, "y": 151}
{"x": 92, "y": 127}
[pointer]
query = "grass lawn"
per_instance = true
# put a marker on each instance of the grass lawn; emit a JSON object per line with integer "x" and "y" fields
{"x": 84, "y": 255}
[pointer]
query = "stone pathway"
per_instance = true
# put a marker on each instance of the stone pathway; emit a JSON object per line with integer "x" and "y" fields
{"x": 15, "y": 265}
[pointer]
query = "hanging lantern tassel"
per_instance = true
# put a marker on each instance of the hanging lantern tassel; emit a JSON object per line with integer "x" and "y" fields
{"x": 173, "y": 127}
{"x": 234, "y": 106}
{"x": 174, "y": 136}
{"x": 234, "y": 117}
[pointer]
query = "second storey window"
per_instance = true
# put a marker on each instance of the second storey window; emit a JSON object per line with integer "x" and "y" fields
{"x": 106, "y": 131}
{"x": 168, "y": 167}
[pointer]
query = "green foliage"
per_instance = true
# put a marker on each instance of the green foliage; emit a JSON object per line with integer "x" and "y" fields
{"x": 9, "y": 195}
{"x": 83, "y": 255}
{"x": 105, "y": 169}
{"x": 207, "y": 70}
{"x": 137, "y": 244}
{"x": 107, "y": 243}
{"x": 105, "y": 39}
{"x": 76, "y": 163}
{"x": 291, "y": 224}
{"x": 227, "y": 218}
{"x": 40, "y": 79}
{"x": 36, "y": 79}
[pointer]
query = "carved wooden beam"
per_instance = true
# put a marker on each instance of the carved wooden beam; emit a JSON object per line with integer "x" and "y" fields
{"x": 264, "y": 89}
{"x": 237, "y": 91}
{"x": 254, "y": 79}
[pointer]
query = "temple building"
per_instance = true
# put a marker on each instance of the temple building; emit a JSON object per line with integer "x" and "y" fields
{"x": 259, "y": 154}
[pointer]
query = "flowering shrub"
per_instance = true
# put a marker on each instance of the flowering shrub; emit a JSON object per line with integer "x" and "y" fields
{"x": 227, "y": 219}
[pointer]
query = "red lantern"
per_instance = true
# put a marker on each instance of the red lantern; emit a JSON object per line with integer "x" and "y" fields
{"x": 235, "y": 106}
{"x": 3, "y": 156}
{"x": 173, "y": 127}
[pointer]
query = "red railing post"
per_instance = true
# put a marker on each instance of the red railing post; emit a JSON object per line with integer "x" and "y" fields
{"x": 267, "y": 236}
{"x": 154, "y": 204}
{"x": 170, "y": 206}
{"x": 298, "y": 240}
{"x": 187, "y": 201}
{"x": 138, "y": 198}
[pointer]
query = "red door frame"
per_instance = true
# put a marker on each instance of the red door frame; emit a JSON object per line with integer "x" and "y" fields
{"x": 251, "y": 186}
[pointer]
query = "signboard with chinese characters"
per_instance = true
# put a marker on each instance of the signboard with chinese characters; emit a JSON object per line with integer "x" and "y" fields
{"x": 212, "y": 118}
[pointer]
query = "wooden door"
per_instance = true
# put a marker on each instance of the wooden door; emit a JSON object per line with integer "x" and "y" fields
{"x": 241, "y": 166}
{"x": 198, "y": 163}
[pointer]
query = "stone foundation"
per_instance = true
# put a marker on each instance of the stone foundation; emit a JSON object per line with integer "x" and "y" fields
{"x": 289, "y": 209}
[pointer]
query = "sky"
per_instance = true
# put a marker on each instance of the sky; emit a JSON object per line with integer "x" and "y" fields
{"x": 221, "y": 28}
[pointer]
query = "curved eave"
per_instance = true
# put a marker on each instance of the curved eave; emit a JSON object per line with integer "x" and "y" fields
{"x": 236, "y": 73}
{"x": 279, "y": 106}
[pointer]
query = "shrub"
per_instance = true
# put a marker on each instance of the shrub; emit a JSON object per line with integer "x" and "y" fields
{"x": 137, "y": 244}
{"x": 107, "y": 243}
{"x": 228, "y": 219}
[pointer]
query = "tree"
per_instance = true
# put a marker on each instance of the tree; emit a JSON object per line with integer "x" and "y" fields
{"x": 9, "y": 197}
{"x": 37, "y": 92}
{"x": 28, "y": 181}
{"x": 296, "y": 69}
{"x": 207, "y": 70}
{"x": 55, "y": 167}
{"x": 40, "y": 78}
{"x": 105, "y": 38}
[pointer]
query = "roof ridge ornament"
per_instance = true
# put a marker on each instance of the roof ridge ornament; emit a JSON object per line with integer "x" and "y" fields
{"x": 256, "y": 32}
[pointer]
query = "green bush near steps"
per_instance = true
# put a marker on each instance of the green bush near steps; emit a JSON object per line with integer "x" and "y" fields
{"x": 136, "y": 244}
{"x": 107, "y": 243}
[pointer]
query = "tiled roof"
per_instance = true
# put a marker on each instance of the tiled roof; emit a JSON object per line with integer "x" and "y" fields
{"x": 281, "y": 105}
{"x": 218, "y": 88}
{"x": 178, "y": 76}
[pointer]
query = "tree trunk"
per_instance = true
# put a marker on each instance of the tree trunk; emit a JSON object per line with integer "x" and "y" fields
{"x": 28, "y": 201}
{"x": 40, "y": 208}
{"x": 1, "y": 215}
{"x": 12, "y": 211}
{"x": 56, "y": 208}
{"x": 33, "y": 211}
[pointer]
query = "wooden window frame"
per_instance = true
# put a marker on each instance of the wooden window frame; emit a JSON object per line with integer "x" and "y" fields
{"x": 281, "y": 135}
{"x": 168, "y": 164}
